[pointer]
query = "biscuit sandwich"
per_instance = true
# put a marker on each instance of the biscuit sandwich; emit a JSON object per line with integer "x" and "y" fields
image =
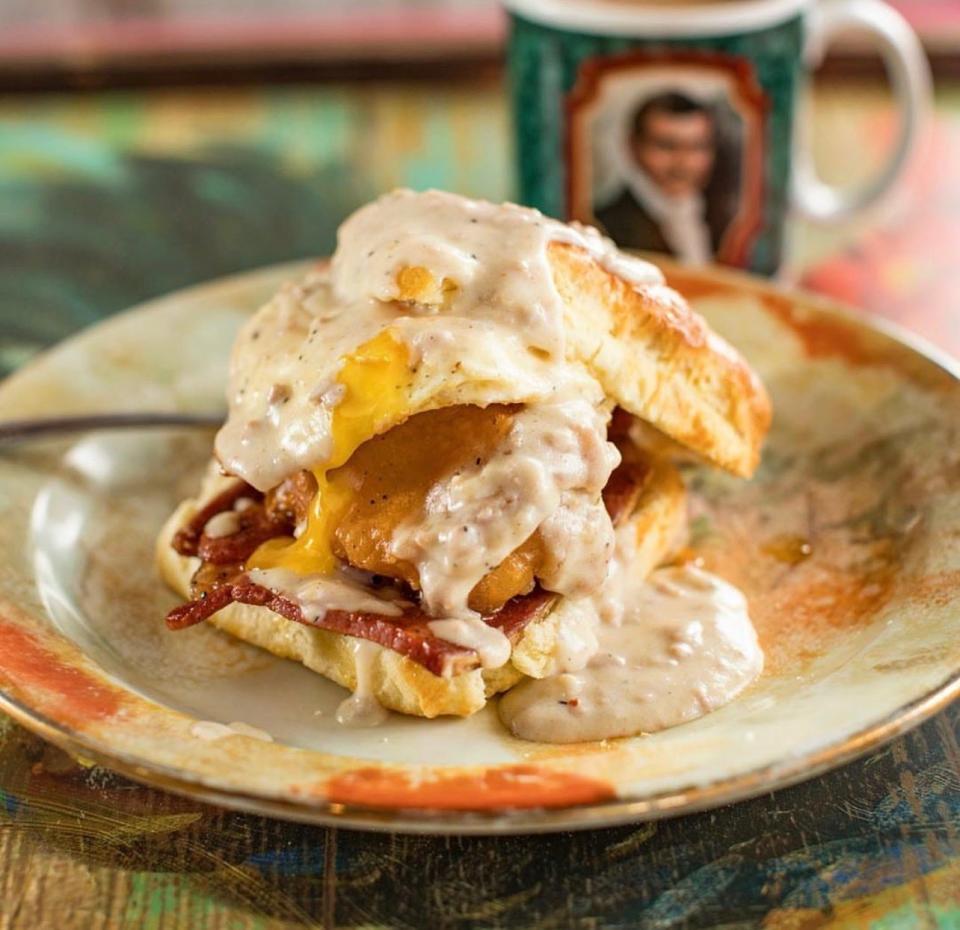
{"x": 442, "y": 446}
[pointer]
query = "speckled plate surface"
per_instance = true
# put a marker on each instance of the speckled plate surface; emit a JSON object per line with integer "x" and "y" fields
{"x": 847, "y": 544}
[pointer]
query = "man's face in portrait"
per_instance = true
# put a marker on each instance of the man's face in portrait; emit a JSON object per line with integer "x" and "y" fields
{"x": 676, "y": 150}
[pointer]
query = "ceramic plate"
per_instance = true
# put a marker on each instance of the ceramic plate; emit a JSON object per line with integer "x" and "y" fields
{"x": 847, "y": 544}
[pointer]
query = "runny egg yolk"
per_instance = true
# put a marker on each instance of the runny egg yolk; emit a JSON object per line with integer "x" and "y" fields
{"x": 374, "y": 378}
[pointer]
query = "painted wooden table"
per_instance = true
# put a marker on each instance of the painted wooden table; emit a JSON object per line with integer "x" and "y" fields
{"x": 108, "y": 199}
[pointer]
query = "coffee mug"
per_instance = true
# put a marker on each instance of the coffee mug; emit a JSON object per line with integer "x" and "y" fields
{"x": 672, "y": 125}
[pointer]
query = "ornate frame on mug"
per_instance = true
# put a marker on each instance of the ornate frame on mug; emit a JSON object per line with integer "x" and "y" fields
{"x": 661, "y": 70}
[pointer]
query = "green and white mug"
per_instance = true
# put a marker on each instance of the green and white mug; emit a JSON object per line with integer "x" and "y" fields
{"x": 672, "y": 125}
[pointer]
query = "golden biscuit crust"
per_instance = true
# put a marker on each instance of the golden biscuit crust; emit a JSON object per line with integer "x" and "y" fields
{"x": 661, "y": 362}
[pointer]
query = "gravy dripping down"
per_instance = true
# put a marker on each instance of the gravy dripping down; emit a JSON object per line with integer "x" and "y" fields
{"x": 362, "y": 709}
{"x": 316, "y": 594}
{"x": 547, "y": 474}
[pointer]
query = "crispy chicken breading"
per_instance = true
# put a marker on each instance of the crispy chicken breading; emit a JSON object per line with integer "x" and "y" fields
{"x": 391, "y": 477}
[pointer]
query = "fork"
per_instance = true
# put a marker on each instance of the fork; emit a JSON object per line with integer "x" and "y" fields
{"x": 12, "y": 431}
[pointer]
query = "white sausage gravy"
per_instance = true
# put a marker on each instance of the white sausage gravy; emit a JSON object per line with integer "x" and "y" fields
{"x": 683, "y": 647}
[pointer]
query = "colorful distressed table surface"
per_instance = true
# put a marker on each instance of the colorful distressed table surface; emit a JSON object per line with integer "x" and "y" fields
{"x": 111, "y": 198}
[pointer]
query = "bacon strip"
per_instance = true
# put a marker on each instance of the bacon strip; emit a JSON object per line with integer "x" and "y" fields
{"x": 256, "y": 526}
{"x": 623, "y": 489}
{"x": 187, "y": 539}
{"x": 408, "y": 634}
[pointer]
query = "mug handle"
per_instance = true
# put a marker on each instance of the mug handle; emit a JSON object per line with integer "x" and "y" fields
{"x": 909, "y": 74}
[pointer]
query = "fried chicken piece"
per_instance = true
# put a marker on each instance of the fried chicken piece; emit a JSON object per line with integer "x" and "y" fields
{"x": 390, "y": 477}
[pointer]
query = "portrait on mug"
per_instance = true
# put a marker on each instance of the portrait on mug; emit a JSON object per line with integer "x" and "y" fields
{"x": 666, "y": 153}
